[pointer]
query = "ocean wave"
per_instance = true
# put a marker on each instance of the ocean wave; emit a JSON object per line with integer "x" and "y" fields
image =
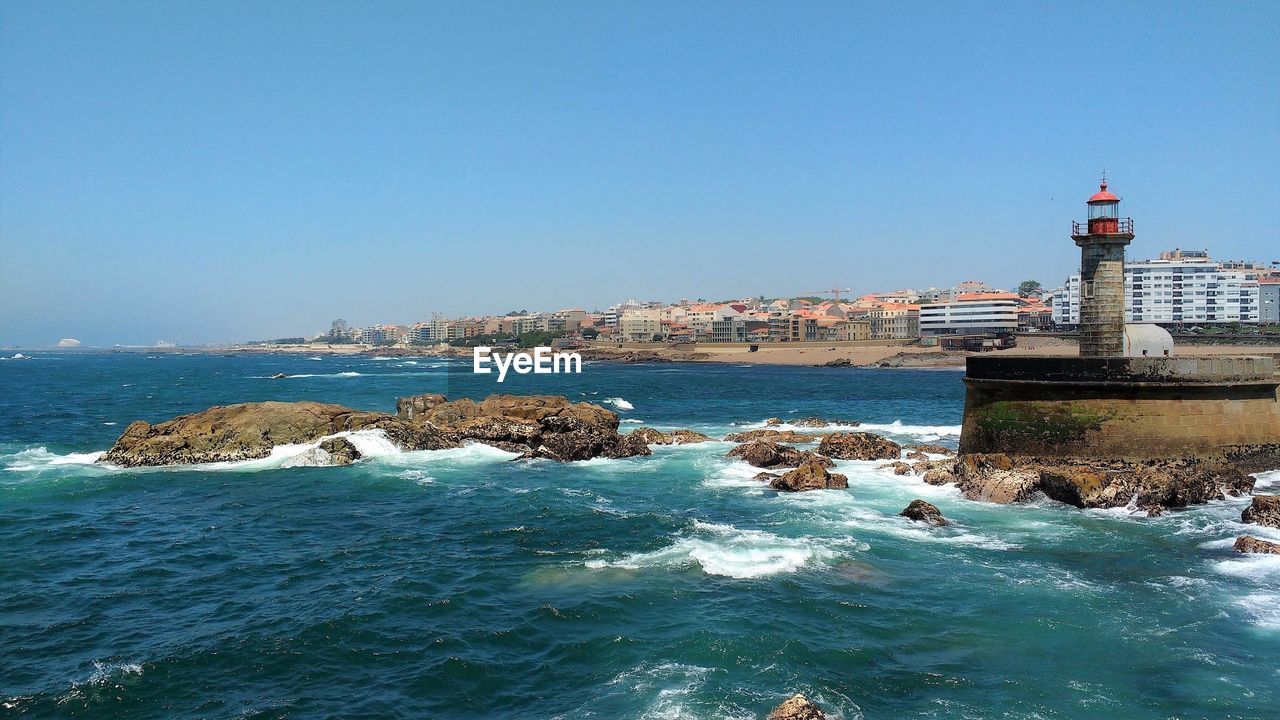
{"x": 39, "y": 458}
{"x": 866, "y": 520}
{"x": 619, "y": 403}
{"x": 918, "y": 431}
{"x": 346, "y": 374}
{"x": 1254, "y": 567}
{"x": 727, "y": 551}
{"x": 1266, "y": 480}
{"x": 1264, "y": 608}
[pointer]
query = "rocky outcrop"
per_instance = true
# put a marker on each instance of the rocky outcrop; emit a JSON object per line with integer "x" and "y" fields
{"x": 797, "y": 707}
{"x": 898, "y": 468}
{"x": 766, "y": 454}
{"x": 1251, "y": 544}
{"x": 931, "y": 449}
{"x": 809, "y": 422}
{"x": 536, "y": 425}
{"x": 248, "y": 431}
{"x": 675, "y": 437}
{"x": 1175, "y": 483}
{"x": 1000, "y": 478}
{"x": 924, "y": 512}
{"x": 765, "y": 476}
{"x": 780, "y": 436}
{"x": 859, "y": 446}
{"x": 809, "y": 476}
{"x": 544, "y": 426}
{"x": 1264, "y": 510}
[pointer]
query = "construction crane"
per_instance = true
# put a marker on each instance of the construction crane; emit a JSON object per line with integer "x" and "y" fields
{"x": 833, "y": 291}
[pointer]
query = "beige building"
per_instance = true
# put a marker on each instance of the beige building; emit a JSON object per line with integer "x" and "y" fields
{"x": 641, "y": 324}
{"x": 895, "y": 321}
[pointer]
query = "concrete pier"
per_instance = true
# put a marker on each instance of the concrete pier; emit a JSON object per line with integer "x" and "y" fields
{"x": 1148, "y": 408}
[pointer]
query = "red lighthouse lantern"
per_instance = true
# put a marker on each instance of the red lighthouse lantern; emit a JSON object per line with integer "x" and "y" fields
{"x": 1104, "y": 212}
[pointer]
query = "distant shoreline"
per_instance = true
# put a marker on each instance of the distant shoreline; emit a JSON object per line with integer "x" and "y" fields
{"x": 887, "y": 356}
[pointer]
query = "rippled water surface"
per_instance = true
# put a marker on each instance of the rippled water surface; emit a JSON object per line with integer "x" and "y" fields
{"x": 458, "y": 584}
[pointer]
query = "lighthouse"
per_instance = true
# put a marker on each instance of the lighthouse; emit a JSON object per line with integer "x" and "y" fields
{"x": 1102, "y": 241}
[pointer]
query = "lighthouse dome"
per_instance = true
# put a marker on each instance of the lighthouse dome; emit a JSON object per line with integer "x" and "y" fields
{"x": 1103, "y": 194}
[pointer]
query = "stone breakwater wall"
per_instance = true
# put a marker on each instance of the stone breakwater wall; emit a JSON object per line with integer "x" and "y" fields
{"x": 1210, "y": 408}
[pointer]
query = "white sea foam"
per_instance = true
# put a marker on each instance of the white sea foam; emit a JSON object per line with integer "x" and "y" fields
{"x": 918, "y": 431}
{"x": 727, "y": 551}
{"x": 619, "y": 403}
{"x": 315, "y": 358}
{"x": 1266, "y": 480}
{"x": 632, "y": 421}
{"x": 39, "y": 458}
{"x": 1254, "y": 567}
{"x": 347, "y": 374}
{"x": 1264, "y": 609}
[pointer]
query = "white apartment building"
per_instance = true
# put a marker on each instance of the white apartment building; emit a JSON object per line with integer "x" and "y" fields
{"x": 1181, "y": 287}
{"x": 971, "y": 313}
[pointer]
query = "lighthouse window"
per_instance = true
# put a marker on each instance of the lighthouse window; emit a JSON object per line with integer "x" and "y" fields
{"x": 1104, "y": 210}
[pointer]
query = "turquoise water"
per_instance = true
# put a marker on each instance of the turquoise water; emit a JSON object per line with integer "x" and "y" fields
{"x": 454, "y": 584}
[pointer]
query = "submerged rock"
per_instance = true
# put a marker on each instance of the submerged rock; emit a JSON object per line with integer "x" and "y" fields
{"x": 809, "y": 476}
{"x": 925, "y": 512}
{"x": 899, "y": 468}
{"x": 248, "y": 431}
{"x": 765, "y": 476}
{"x": 1264, "y": 510}
{"x": 1251, "y": 544}
{"x": 797, "y": 707}
{"x": 767, "y": 454}
{"x": 859, "y": 446}
{"x": 780, "y": 436}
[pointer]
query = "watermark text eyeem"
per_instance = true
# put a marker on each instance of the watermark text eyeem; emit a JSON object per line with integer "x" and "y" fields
{"x": 541, "y": 361}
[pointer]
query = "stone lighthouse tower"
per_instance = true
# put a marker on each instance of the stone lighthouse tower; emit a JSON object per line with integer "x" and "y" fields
{"x": 1102, "y": 243}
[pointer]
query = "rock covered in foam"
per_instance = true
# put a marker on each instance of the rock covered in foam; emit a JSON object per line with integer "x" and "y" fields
{"x": 341, "y": 450}
{"x": 1251, "y": 544}
{"x": 248, "y": 431}
{"x": 859, "y": 446}
{"x": 797, "y": 707}
{"x": 1264, "y": 510}
{"x": 809, "y": 476}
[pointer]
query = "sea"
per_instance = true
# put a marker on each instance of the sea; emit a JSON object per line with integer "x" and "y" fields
{"x": 460, "y": 584}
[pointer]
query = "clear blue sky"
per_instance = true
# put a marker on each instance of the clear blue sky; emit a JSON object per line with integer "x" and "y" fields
{"x": 232, "y": 170}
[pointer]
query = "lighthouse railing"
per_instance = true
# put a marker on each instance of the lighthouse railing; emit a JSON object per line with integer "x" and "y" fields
{"x": 1124, "y": 226}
